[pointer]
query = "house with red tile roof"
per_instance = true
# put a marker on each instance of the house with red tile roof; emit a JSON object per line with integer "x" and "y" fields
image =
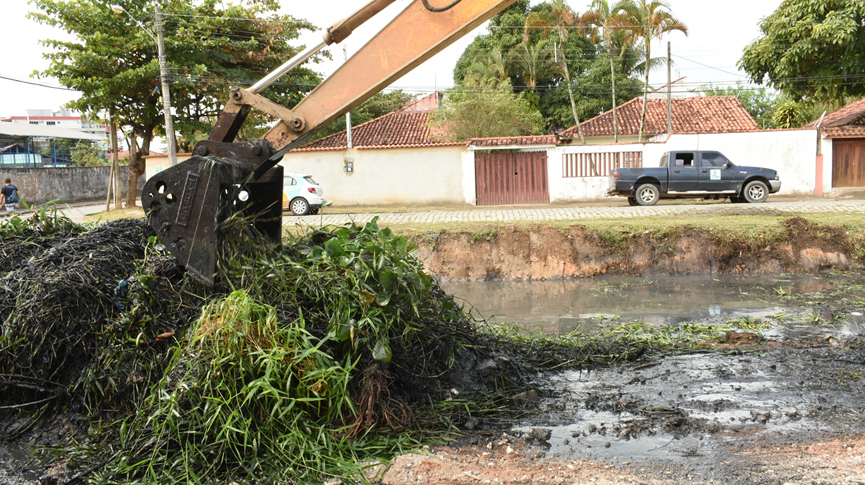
{"x": 394, "y": 159}
{"x": 397, "y": 160}
{"x": 404, "y": 128}
{"x": 695, "y": 115}
{"x": 560, "y": 168}
{"x": 842, "y": 135}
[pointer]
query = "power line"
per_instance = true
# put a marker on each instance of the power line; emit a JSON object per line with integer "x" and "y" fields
{"x": 62, "y": 88}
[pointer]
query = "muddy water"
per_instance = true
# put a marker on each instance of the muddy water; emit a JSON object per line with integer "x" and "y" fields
{"x": 695, "y": 411}
{"x": 562, "y": 307}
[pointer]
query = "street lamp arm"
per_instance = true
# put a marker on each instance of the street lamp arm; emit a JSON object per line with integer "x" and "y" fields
{"x": 119, "y": 10}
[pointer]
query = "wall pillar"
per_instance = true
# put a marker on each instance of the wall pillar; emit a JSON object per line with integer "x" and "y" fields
{"x": 818, "y": 185}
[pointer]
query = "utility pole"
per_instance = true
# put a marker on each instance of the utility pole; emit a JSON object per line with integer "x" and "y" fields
{"x": 669, "y": 92}
{"x": 166, "y": 95}
{"x": 114, "y": 177}
{"x": 347, "y": 113}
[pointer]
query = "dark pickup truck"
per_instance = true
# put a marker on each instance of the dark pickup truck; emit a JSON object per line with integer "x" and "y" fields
{"x": 695, "y": 174}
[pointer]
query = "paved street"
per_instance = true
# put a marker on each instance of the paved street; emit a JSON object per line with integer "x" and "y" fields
{"x": 549, "y": 213}
{"x": 574, "y": 213}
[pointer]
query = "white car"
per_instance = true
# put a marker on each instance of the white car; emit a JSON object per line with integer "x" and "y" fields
{"x": 302, "y": 195}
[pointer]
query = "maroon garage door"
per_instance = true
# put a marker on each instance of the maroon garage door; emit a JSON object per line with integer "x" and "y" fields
{"x": 848, "y": 163}
{"x": 511, "y": 178}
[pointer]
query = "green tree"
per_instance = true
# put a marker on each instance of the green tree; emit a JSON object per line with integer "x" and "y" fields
{"x": 559, "y": 18}
{"x": 495, "y": 64}
{"x": 482, "y": 108}
{"x": 86, "y": 153}
{"x": 534, "y": 61}
{"x": 501, "y": 36}
{"x": 651, "y": 19}
{"x": 788, "y": 115}
{"x": 811, "y": 49}
{"x": 209, "y": 45}
{"x": 614, "y": 23}
{"x": 760, "y": 102}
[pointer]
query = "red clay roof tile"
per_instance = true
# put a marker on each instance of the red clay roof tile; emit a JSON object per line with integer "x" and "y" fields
{"x": 404, "y": 128}
{"x": 849, "y": 131}
{"x": 514, "y": 140}
{"x": 851, "y": 114}
{"x": 708, "y": 114}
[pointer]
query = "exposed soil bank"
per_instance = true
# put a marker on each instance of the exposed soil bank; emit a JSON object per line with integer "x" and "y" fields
{"x": 516, "y": 253}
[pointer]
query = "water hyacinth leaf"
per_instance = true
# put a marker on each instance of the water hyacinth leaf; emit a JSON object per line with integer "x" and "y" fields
{"x": 398, "y": 244}
{"x": 371, "y": 227}
{"x": 381, "y": 352}
{"x": 334, "y": 248}
{"x": 315, "y": 252}
{"x": 420, "y": 281}
{"x": 343, "y": 233}
{"x": 389, "y": 281}
{"x": 344, "y": 330}
{"x": 382, "y": 299}
{"x": 373, "y": 248}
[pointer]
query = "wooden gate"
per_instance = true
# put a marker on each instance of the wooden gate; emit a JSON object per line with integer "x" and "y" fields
{"x": 848, "y": 163}
{"x": 511, "y": 178}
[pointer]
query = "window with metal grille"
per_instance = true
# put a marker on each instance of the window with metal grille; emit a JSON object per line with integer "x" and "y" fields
{"x": 598, "y": 164}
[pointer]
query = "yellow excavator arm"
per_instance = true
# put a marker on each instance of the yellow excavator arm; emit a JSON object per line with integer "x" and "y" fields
{"x": 186, "y": 204}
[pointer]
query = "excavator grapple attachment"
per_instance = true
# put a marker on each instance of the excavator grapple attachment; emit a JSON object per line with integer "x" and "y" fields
{"x": 187, "y": 204}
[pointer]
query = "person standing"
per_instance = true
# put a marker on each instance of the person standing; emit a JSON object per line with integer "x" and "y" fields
{"x": 9, "y": 196}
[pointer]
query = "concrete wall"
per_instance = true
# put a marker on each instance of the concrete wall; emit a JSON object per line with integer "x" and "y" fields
{"x": 64, "y": 184}
{"x": 153, "y": 164}
{"x": 394, "y": 176}
{"x": 826, "y": 147}
{"x": 791, "y": 152}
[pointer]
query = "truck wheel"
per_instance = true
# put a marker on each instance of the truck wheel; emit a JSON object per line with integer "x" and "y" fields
{"x": 647, "y": 194}
{"x": 756, "y": 191}
{"x": 632, "y": 201}
{"x": 299, "y": 206}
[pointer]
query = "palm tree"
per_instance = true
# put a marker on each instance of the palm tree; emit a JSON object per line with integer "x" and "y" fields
{"x": 534, "y": 61}
{"x": 651, "y": 19}
{"x": 559, "y": 18}
{"x": 613, "y": 22}
{"x": 495, "y": 64}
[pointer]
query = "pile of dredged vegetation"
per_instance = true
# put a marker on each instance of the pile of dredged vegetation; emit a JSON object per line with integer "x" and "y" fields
{"x": 314, "y": 360}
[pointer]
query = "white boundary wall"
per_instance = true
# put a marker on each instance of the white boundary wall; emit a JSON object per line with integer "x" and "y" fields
{"x": 793, "y": 153}
{"x": 389, "y": 176}
{"x": 445, "y": 175}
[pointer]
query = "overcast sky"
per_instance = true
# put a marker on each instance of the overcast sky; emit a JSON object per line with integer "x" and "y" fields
{"x": 718, "y": 31}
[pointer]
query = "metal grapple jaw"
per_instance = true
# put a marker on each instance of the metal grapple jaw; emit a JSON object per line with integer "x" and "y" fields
{"x": 186, "y": 204}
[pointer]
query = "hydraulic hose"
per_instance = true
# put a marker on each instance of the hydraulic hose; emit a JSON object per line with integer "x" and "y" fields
{"x": 439, "y": 9}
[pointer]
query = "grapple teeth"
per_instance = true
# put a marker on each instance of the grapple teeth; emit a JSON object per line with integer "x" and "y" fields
{"x": 186, "y": 204}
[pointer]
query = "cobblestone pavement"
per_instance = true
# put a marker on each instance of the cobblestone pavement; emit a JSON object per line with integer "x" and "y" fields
{"x": 577, "y": 213}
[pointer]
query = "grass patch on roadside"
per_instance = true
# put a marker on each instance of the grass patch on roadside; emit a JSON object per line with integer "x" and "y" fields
{"x": 755, "y": 228}
{"x": 115, "y": 214}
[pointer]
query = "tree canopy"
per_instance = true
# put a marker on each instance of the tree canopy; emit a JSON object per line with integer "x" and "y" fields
{"x": 210, "y": 46}
{"x": 482, "y": 108}
{"x": 498, "y": 54}
{"x": 811, "y": 49}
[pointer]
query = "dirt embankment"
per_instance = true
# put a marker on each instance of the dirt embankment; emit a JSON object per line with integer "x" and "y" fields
{"x": 516, "y": 253}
